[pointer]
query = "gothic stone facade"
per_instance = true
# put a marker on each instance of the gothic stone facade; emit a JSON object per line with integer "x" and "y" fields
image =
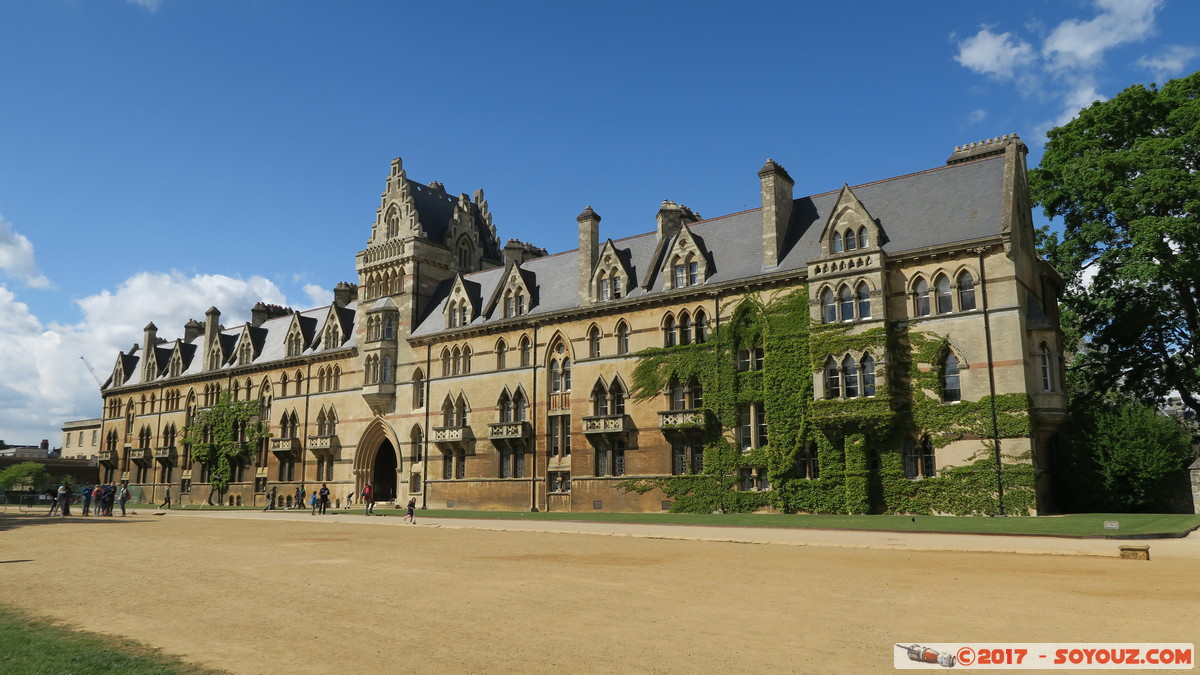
{"x": 472, "y": 375}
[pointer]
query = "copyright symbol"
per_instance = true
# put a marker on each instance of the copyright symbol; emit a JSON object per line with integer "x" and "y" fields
{"x": 966, "y": 656}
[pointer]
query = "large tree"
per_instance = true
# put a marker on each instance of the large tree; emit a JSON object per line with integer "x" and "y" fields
{"x": 29, "y": 474}
{"x": 1124, "y": 177}
{"x": 223, "y": 436}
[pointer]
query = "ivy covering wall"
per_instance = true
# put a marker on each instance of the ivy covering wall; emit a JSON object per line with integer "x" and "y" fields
{"x": 858, "y": 443}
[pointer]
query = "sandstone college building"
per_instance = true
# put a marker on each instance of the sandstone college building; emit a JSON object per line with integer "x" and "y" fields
{"x": 887, "y": 347}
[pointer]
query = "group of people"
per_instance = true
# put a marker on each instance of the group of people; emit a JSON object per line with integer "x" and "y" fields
{"x": 319, "y": 501}
{"x": 96, "y": 501}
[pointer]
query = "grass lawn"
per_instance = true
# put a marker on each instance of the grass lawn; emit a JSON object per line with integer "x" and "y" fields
{"x": 1073, "y": 525}
{"x": 32, "y": 645}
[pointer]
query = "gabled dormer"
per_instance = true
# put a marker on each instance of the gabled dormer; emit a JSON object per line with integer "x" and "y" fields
{"x": 685, "y": 262}
{"x": 126, "y": 364}
{"x": 515, "y": 295}
{"x": 462, "y": 237}
{"x": 175, "y": 362}
{"x": 296, "y": 339}
{"x": 463, "y": 303}
{"x": 850, "y": 229}
{"x": 249, "y": 345}
{"x": 337, "y": 326}
{"x": 612, "y": 278}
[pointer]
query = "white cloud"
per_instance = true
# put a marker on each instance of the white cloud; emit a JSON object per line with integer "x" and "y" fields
{"x": 16, "y": 257}
{"x": 148, "y": 5}
{"x": 999, "y": 55}
{"x": 1171, "y": 60}
{"x": 317, "y": 295}
{"x": 1082, "y": 44}
{"x": 1065, "y": 67}
{"x": 46, "y": 384}
{"x": 978, "y": 115}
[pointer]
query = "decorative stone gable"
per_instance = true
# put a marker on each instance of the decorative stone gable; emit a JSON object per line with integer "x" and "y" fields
{"x": 397, "y": 215}
{"x": 685, "y": 263}
{"x": 514, "y": 296}
{"x": 611, "y": 279}
{"x": 462, "y": 306}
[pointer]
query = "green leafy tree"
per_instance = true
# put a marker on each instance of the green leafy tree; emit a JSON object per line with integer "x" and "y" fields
{"x": 1124, "y": 177}
{"x": 224, "y": 435}
{"x": 26, "y": 473}
{"x": 1126, "y": 456}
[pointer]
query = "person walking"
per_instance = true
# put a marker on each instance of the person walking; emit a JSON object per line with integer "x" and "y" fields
{"x": 64, "y": 500}
{"x": 166, "y": 498}
{"x": 412, "y": 511}
{"x": 53, "y": 502}
{"x": 368, "y": 498}
{"x": 312, "y": 501}
{"x": 123, "y": 498}
{"x": 323, "y": 500}
{"x": 298, "y": 500}
{"x": 97, "y": 498}
{"x": 270, "y": 500}
{"x": 87, "y": 500}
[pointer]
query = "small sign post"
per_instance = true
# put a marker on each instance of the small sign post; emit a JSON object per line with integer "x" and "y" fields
{"x": 1112, "y": 525}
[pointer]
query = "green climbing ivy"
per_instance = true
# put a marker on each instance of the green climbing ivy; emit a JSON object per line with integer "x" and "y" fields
{"x": 229, "y": 432}
{"x": 858, "y": 443}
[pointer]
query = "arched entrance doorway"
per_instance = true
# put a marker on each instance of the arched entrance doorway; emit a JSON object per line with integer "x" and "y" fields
{"x": 383, "y": 472}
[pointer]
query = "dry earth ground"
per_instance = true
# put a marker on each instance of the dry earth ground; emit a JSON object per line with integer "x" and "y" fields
{"x": 310, "y": 596}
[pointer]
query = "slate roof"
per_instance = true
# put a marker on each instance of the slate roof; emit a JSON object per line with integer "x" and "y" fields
{"x": 959, "y": 202}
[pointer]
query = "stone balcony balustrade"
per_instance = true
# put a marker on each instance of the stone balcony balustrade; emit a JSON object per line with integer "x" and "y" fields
{"x": 679, "y": 419}
{"x": 605, "y": 424}
{"x": 285, "y": 444}
{"x": 451, "y": 434}
{"x": 509, "y": 431}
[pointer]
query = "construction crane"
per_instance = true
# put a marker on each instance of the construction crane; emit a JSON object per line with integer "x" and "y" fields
{"x": 95, "y": 376}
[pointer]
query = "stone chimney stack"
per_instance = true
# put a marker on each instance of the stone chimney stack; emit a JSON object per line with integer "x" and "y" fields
{"x": 258, "y": 314}
{"x": 212, "y": 328}
{"x": 192, "y": 330}
{"x": 589, "y": 250}
{"x": 670, "y": 219}
{"x": 517, "y": 252}
{"x": 776, "y": 210}
{"x": 150, "y": 338}
{"x": 344, "y": 293}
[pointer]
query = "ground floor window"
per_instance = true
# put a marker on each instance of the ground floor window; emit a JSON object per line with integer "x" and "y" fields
{"x": 610, "y": 458}
{"x": 754, "y": 478}
{"x": 185, "y": 486}
{"x": 687, "y": 456}
{"x": 260, "y": 484}
{"x": 559, "y": 481}
{"x": 414, "y": 483}
{"x": 460, "y": 466}
{"x": 164, "y": 473}
{"x": 512, "y": 462}
{"x": 447, "y": 465}
{"x": 919, "y": 460}
{"x": 142, "y": 473}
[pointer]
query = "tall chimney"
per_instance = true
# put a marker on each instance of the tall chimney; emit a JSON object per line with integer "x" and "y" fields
{"x": 192, "y": 330}
{"x": 776, "y": 210}
{"x": 344, "y": 294}
{"x": 589, "y": 250}
{"x": 211, "y": 330}
{"x": 670, "y": 219}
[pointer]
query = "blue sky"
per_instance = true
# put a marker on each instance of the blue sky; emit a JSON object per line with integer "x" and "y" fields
{"x": 161, "y": 156}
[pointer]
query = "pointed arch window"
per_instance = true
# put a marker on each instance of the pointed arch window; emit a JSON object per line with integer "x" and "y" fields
{"x": 669, "y": 331}
{"x": 864, "y": 301}
{"x": 1047, "y": 367}
{"x": 835, "y": 243}
{"x": 944, "y": 298}
{"x": 951, "y": 388}
{"x": 966, "y": 292}
{"x": 501, "y": 354}
{"x": 605, "y": 291}
{"x": 445, "y": 362}
{"x": 863, "y": 238}
{"x": 418, "y": 384}
{"x": 509, "y": 304}
{"x": 599, "y": 400}
{"x": 851, "y": 241}
{"x": 828, "y": 307}
{"x": 846, "y": 303}
{"x": 526, "y": 351}
{"x": 833, "y": 379}
{"x": 594, "y": 343}
{"x": 850, "y": 377}
{"x": 520, "y": 406}
{"x": 466, "y": 359}
{"x": 921, "y": 297}
{"x": 868, "y": 376}
{"x": 701, "y": 326}
{"x": 622, "y": 338}
{"x": 685, "y": 328}
{"x": 617, "y": 395}
{"x": 505, "y": 407}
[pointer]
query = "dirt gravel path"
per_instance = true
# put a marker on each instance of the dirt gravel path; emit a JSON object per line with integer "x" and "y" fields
{"x": 296, "y": 595}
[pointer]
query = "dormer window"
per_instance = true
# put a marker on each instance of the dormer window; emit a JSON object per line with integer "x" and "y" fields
{"x": 245, "y": 354}
{"x": 294, "y": 346}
